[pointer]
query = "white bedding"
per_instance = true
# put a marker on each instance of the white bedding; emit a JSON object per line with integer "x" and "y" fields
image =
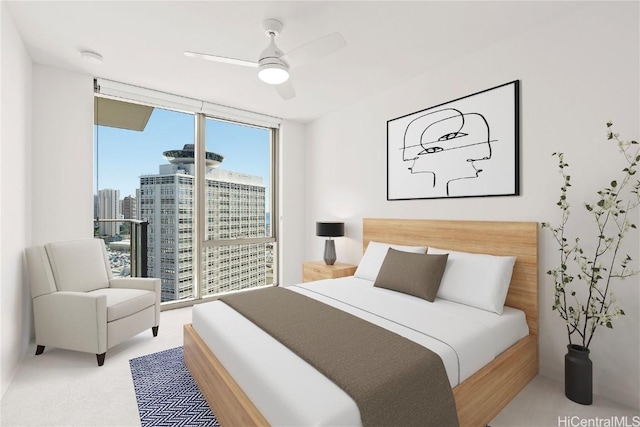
{"x": 289, "y": 391}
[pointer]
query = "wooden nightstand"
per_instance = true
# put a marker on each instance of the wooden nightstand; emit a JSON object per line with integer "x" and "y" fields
{"x": 318, "y": 270}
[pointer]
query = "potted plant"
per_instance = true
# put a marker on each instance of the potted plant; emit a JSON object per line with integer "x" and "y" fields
{"x": 584, "y": 276}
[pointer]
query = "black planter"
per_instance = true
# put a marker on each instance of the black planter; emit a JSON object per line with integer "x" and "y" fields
{"x": 578, "y": 375}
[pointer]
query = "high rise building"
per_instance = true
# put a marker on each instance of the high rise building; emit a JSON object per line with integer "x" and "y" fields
{"x": 138, "y": 203}
{"x": 130, "y": 207}
{"x": 234, "y": 208}
{"x": 109, "y": 208}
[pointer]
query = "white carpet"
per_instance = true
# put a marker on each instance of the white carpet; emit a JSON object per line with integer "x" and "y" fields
{"x": 67, "y": 388}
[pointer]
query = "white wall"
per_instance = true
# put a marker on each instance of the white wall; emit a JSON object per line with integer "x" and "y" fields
{"x": 62, "y": 193}
{"x": 15, "y": 146}
{"x": 576, "y": 73}
{"x": 291, "y": 203}
{"x": 46, "y": 169}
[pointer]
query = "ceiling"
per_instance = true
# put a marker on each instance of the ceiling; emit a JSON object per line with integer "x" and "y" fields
{"x": 142, "y": 43}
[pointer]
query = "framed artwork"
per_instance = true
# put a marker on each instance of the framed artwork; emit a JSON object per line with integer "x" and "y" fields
{"x": 467, "y": 147}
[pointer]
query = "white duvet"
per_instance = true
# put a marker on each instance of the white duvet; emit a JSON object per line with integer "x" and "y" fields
{"x": 289, "y": 391}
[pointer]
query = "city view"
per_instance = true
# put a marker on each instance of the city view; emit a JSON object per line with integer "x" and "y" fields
{"x": 163, "y": 201}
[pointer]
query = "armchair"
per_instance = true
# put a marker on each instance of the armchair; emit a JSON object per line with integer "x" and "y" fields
{"x": 79, "y": 305}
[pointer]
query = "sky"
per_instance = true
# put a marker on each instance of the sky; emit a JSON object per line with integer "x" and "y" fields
{"x": 125, "y": 155}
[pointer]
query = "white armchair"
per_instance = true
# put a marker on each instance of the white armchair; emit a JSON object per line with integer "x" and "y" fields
{"x": 79, "y": 305}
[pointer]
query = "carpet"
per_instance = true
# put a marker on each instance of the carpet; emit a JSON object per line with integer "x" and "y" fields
{"x": 166, "y": 392}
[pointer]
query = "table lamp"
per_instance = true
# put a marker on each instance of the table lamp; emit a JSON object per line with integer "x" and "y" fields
{"x": 330, "y": 229}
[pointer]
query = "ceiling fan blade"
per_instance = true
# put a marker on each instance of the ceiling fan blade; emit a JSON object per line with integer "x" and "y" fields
{"x": 315, "y": 49}
{"x": 286, "y": 90}
{"x": 224, "y": 59}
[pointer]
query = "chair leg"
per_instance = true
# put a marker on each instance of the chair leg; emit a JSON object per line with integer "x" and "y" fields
{"x": 154, "y": 329}
{"x": 100, "y": 358}
{"x": 39, "y": 349}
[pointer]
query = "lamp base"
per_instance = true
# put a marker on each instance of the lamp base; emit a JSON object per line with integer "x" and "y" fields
{"x": 329, "y": 252}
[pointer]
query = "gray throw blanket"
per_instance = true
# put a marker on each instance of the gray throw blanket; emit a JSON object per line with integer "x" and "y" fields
{"x": 394, "y": 381}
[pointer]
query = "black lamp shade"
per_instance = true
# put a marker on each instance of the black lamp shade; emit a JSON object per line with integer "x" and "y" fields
{"x": 330, "y": 229}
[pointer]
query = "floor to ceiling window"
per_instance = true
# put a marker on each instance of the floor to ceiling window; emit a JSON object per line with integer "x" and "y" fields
{"x": 203, "y": 198}
{"x": 238, "y": 250}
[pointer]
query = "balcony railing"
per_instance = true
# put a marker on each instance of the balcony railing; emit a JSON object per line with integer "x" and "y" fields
{"x": 127, "y": 256}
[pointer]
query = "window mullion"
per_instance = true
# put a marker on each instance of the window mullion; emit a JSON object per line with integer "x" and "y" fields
{"x": 199, "y": 208}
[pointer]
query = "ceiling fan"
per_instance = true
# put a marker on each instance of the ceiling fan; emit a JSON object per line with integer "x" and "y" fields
{"x": 273, "y": 65}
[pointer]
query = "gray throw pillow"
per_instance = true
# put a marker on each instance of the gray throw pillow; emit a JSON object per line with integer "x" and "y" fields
{"x": 410, "y": 273}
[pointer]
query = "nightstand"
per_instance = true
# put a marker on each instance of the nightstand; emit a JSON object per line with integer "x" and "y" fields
{"x": 319, "y": 270}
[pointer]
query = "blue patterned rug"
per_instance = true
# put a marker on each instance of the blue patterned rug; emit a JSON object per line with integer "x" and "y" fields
{"x": 166, "y": 393}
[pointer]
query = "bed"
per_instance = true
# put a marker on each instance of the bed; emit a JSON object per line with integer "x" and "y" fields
{"x": 481, "y": 395}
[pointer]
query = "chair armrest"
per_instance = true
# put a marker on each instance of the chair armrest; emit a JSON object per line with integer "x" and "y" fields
{"x": 71, "y": 320}
{"x": 145, "y": 283}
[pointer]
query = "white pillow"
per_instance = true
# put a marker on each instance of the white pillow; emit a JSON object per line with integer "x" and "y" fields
{"x": 373, "y": 258}
{"x": 478, "y": 280}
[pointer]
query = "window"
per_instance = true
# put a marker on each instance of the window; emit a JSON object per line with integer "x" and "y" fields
{"x": 238, "y": 207}
{"x": 150, "y": 155}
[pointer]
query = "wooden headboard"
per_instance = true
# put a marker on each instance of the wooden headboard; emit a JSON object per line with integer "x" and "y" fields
{"x": 513, "y": 238}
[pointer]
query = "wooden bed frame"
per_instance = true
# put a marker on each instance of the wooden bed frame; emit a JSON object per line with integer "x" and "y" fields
{"x": 480, "y": 397}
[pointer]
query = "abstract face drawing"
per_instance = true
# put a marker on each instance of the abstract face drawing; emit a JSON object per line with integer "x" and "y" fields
{"x": 446, "y": 144}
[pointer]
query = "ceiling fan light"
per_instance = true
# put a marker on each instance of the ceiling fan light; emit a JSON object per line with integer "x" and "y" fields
{"x": 273, "y": 74}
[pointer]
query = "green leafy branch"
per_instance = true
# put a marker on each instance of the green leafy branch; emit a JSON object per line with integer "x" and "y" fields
{"x": 596, "y": 269}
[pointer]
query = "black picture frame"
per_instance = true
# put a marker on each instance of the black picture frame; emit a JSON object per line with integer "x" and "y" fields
{"x": 467, "y": 147}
